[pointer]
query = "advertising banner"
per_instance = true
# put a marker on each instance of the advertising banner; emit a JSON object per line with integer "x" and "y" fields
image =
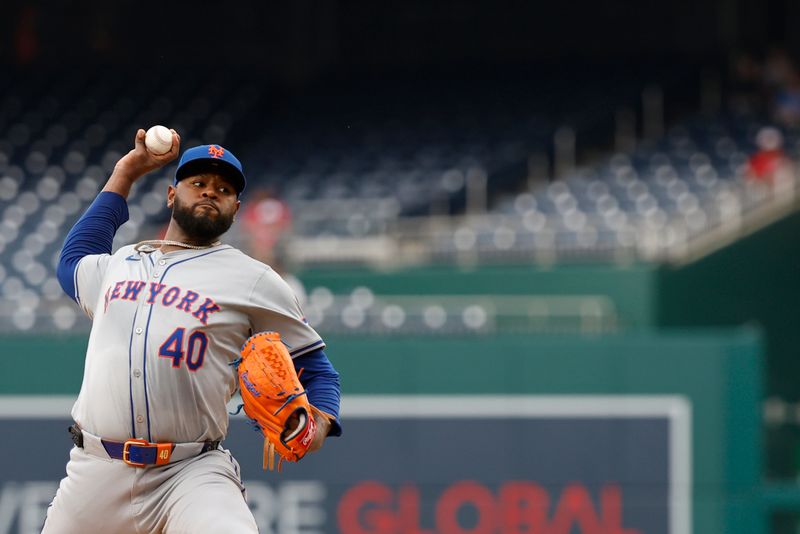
{"x": 426, "y": 465}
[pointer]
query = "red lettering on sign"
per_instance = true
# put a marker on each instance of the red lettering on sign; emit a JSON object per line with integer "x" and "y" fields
{"x": 523, "y": 508}
{"x": 408, "y": 513}
{"x": 366, "y": 496}
{"x": 576, "y": 507}
{"x": 468, "y": 507}
{"x": 463, "y": 494}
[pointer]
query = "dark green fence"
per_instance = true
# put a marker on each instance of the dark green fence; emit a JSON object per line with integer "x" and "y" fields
{"x": 719, "y": 373}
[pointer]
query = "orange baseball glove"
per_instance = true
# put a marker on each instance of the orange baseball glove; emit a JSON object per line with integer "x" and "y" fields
{"x": 274, "y": 399}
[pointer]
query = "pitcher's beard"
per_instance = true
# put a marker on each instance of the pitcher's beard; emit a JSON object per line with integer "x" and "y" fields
{"x": 200, "y": 229}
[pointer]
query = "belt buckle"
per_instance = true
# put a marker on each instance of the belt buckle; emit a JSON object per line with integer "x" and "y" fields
{"x": 163, "y": 452}
{"x": 126, "y": 453}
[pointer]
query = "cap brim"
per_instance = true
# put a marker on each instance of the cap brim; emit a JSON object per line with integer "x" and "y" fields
{"x": 215, "y": 165}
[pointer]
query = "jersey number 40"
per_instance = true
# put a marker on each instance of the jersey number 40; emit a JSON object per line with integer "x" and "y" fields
{"x": 195, "y": 351}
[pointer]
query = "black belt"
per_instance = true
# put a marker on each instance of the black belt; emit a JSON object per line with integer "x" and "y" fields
{"x": 139, "y": 452}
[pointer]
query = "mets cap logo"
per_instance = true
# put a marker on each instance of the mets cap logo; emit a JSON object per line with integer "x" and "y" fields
{"x": 216, "y": 151}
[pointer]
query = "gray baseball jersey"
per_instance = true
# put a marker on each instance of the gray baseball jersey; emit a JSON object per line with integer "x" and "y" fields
{"x": 165, "y": 329}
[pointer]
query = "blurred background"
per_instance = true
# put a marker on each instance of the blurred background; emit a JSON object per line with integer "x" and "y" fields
{"x": 576, "y": 221}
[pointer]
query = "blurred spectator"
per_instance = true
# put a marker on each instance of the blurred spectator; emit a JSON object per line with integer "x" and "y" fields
{"x": 782, "y": 87}
{"x": 771, "y": 86}
{"x": 786, "y": 102}
{"x": 263, "y": 226}
{"x": 265, "y": 220}
{"x": 770, "y": 164}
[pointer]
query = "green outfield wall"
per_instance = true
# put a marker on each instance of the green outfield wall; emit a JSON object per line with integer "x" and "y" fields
{"x": 632, "y": 288}
{"x": 756, "y": 280}
{"x": 718, "y": 372}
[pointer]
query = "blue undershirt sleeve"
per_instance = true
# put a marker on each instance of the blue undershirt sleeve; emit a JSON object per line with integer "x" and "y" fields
{"x": 321, "y": 381}
{"x": 92, "y": 234}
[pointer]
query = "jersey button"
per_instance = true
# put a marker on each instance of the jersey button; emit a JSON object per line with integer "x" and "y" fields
{"x": 140, "y": 419}
{"x": 155, "y": 274}
{"x": 139, "y": 330}
{"x": 162, "y": 262}
{"x": 137, "y": 373}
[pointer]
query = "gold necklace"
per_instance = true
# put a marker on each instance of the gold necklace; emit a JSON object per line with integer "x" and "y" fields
{"x": 149, "y": 245}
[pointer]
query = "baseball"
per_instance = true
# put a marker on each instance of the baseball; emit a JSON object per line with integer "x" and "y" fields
{"x": 158, "y": 139}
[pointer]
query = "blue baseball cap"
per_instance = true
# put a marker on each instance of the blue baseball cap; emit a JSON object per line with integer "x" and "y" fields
{"x": 211, "y": 158}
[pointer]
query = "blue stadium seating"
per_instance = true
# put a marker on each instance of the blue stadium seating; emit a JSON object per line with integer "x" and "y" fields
{"x": 350, "y": 174}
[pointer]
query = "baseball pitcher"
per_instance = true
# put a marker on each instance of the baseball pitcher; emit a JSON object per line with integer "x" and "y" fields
{"x": 177, "y": 326}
